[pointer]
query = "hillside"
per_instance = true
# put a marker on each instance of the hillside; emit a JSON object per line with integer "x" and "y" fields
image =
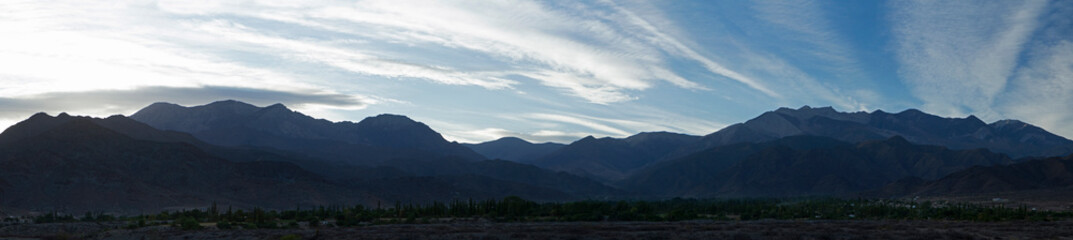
{"x": 1014, "y": 138}
{"x": 802, "y": 165}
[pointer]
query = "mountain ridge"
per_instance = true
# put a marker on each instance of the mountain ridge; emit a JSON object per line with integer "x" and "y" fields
{"x": 369, "y": 142}
{"x": 802, "y": 165}
{"x": 514, "y": 149}
{"x": 79, "y": 165}
{"x": 914, "y": 125}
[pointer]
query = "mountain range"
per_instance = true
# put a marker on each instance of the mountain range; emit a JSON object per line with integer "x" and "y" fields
{"x": 369, "y": 142}
{"x": 612, "y": 159}
{"x": 514, "y": 149}
{"x": 78, "y": 165}
{"x": 1011, "y": 137}
{"x": 168, "y": 156}
{"x": 802, "y": 166}
{"x": 1054, "y": 174}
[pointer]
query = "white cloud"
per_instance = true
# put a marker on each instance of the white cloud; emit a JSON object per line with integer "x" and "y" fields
{"x": 598, "y": 57}
{"x": 109, "y": 102}
{"x": 805, "y": 21}
{"x": 71, "y": 47}
{"x": 348, "y": 59}
{"x": 588, "y": 123}
{"x": 1042, "y": 92}
{"x": 488, "y": 134}
{"x": 958, "y": 55}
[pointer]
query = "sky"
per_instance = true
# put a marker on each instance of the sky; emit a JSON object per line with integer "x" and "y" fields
{"x": 543, "y": 70}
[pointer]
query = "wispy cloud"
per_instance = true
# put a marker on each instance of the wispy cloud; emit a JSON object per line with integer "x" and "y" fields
{"x": 488, "y": 134}
{"x": 598, "y": 57}
{"x": 958, "y": 55}
{"x": 348, "y": 58}
{"x": 588, "y": 123}
{"x": 672, "y": 45}
{"x": 108, "y": 102}
{"x": 1041, "y": 92}
{"x": 562, "y": 69}
{"x": 806, "y": 22}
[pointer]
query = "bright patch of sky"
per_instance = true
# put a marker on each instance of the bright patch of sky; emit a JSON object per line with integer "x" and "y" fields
{"x": 543, "y": 70}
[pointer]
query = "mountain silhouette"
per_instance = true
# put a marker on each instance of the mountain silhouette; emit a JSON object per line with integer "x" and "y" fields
{"x": 1014, "y": 138}
{"x": 87, "y": 166}
{"x": 613, "y": 158}
{"x": 233, "y": 153}
{"x": 73, "y": 164}
{"x": 369, "y": 142}
{"x": 1049, "y": 174}
{"x": 514, "y": 149}
{"x": 802, "y": 165}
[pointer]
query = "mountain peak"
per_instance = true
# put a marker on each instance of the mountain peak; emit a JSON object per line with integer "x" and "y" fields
{"x": 388, "y": 120}
{"x": 515, "y": 140}
{"x": 158, "y": 108}
{"x": 660, "y": 136}
{"x": 1008, "y": 122}
{"x": 230, "y": 104}
{"x": 810, "y": 108}
{"x": 912, "y": 111}
{"x": 162, "y": 105}
{"x": 277, "y": 106}
{"x": 40, "y": 115}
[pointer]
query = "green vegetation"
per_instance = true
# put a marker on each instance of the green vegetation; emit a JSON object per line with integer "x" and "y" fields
{"x": 515, "y": 209}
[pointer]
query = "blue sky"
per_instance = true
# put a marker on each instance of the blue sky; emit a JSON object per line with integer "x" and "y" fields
{"x": 543, "y": 70}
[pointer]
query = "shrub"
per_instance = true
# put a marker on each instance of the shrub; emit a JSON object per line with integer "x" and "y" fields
{"x": 224, "y": 225}
{"x": 189, "y": 224}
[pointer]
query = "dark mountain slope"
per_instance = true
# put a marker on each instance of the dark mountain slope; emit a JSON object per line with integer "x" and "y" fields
{"x": 140, "y": 131}
{"x": 1011, "y": 137}
{"x": 802, "y": 165}
{"x": 369, "y": 142}
{"x": 81, "y": 166}
{"x": 388, "y": 183}
{"x": 424, "y": 189}
{"x": 514, "y": 149}
{"x": 611, "y": 158}
{"x": 575, "y": 186}
{"x": 1054, "y": 173}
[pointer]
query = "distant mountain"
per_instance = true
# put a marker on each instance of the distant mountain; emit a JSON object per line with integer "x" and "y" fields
{"x": 570, "y": 185}
{"x": 425, "y": 189}
{"x": 73, "y": 164}
{"x": 612, "y": 159}
{"x": 41, "y": 122}
{"x": 1011, "y": 137}
{"x": 514, "y": 149}
{"x": 77, "y": 164}
{"x": 802, "y": 165}
{"x": 1054, "y": 174}
{"x": 369, "y": 142}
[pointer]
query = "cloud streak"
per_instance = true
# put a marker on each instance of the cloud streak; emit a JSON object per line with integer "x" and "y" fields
{"x": 598, "y": 57}
{"x": 958, "y": 55}
{"x": 108, "y": 102}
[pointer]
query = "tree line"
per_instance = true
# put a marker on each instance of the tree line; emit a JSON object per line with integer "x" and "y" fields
{"x": 515, "y": 209}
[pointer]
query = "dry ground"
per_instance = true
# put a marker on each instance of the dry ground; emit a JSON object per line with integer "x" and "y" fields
{"x": 614, "y": 230}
